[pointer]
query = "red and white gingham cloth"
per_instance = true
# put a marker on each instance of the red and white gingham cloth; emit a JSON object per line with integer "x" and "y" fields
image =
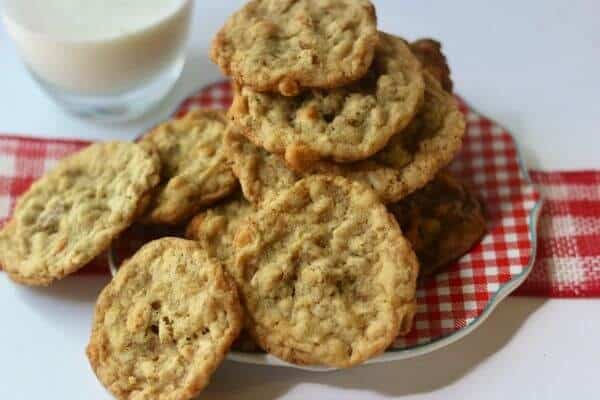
{"x": 568, "y": 253}
{"x": 568, "y": 248}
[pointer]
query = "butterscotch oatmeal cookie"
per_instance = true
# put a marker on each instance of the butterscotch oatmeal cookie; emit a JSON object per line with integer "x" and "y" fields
{"x": 260, "y": 173}
{"x": 429, "y": 52}
{"x": 216, "y": 229}
{"x": 71, "y": 214}
{"x": 164, "y": 323}
{"x": 195, "y": 172}
{"x": 217, "y": 226}
{"x": 325, "y": 274}
{"x": 287, "y": 45}
{"x": 442, "y": 221}
{"x": 344, "y": 124}
{"x": 412, "y": 158}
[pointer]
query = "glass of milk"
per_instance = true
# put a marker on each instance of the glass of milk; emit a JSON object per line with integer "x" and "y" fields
{"x": 109, "y": 60}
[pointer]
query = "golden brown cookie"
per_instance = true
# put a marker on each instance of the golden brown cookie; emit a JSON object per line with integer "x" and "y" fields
{"x": 413, "y": 157}
{"x": 195, "y": 172}
{"x": 344, "y": 124}
{"x": 260, "y": 173}
{"x": 165, "y": 323}
{"x": 287, "y": 45}
{"x": 71, "y": 214}
{"x": 410, "y": 160}
{"x": 429, "y": 52}
{"x": 442, "y": 221}
{"x": 325, "y": 274}
{"x": 217, "y": 227}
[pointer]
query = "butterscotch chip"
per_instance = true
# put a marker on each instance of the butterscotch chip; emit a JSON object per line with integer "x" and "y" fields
{"x": 287, "y": 45}
{"x": 195, "y": 172}
{"x": 72, "y": 214}
{"x": 442, "y": 221}
{"x": 325, "y": 274}
{"x": 429, "y": 52}
{"x": 343, "y": 124}
{"x": 165, "y": 323}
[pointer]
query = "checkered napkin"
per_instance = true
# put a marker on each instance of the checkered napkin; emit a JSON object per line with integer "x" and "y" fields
{"x": 567, "y": 240}
{"x": 568, "y": 253}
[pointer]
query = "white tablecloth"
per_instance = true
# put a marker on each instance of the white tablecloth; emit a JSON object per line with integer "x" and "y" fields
{"x": 534, "y": 66}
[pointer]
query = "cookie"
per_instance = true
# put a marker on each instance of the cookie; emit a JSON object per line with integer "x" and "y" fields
{"x": 287, "y": 45}
{"x": 442, "y": 221}
{"x": 260, "y": 173}
{"x": 165, "y": 323}
{"x": 216, "y": 229}
{"x": 429, "y": 52}
{"x": 410, "y": 160}
{"x": 72, "y": 214}
{"x": 325, "y": 274}
{"x": 217, "y": 226}
{"x": 343, "y": 124}
{"x": 195, "y": 173}
{"x": 413, "y": 157}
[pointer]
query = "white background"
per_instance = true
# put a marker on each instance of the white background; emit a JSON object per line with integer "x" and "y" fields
{"x": 534, "y": 66}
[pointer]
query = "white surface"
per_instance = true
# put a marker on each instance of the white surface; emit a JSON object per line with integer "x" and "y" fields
{"x": 533, "y": 66}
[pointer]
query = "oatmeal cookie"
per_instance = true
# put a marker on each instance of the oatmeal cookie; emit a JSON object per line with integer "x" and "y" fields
{"x": 216, "y": 229}
{"x": 344, "y": 124}
{"x": 195, "y": 172}
{"x": 260, "y": 173}
{"x": 165, "y": 323}
{"x": 217, "y": 226}
{"x": 325, "y": 274}
{"x": 442, "y": 221}
{"x": 429, "y": 52}
{"x": 287, "y": 45}
{"x": 412, "y": 158}
{"x": 72, "y": 214}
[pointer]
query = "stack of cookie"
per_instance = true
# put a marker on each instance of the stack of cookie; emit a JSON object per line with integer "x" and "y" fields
{"x": 325, "y": 104}
{"x": 318, "y": 90}
{"x": 307, "y": 208}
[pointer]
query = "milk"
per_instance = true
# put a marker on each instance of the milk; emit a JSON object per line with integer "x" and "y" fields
{"x": 98, "y": 46}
